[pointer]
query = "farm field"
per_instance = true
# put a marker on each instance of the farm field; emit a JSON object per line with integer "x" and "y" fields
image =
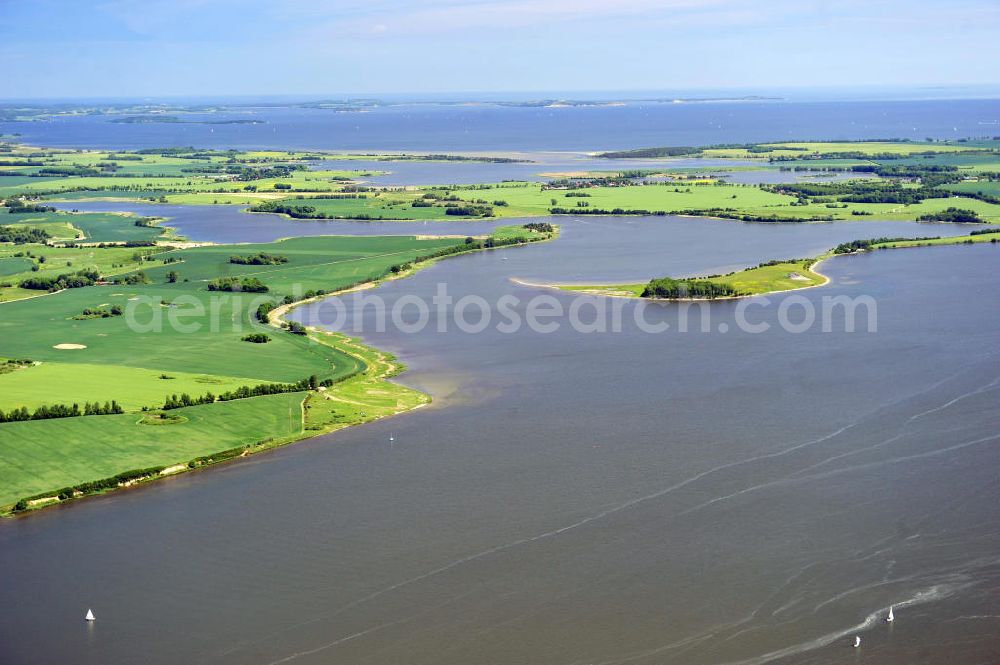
{"x": 84, "y": 227}
{"x": 39, "y": 456}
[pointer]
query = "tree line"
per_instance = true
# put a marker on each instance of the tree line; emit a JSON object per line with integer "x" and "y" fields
{"x": 61, "y": 411}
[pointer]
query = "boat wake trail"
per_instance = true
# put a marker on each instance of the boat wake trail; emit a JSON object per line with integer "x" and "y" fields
{"x": 931, "y": 594}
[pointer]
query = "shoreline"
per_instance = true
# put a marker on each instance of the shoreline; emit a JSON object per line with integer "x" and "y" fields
{"x": 386, "y": 367}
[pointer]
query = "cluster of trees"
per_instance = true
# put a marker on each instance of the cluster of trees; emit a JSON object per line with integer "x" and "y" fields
{"x": 263, "y": 310}
{"x": 18, "y": 206}
{"x": 256, "y": 338}
{"x": 858, "y": 191}
{"x": 245, "y": 173}
{"x": 457, "y": 158}
{"x": 100, "y": 312}
{"x": 22, "y": 236}
{"x": 666, "y": 287}
{"x": 248, "y": 284}
{"x": 261, "y": 259}
{"x": 109, "y": 245}
{"x": 642, "y": 153}
{"x": 61, "y": 411}
{"x": 298, "y": 211}
{"x": 930, "y": 175}
{"x": 175, "y": 402}
{"x": 69, "y": 171}
{"x": 957, "y": 215}
{"x": 74, "y": 280}
{"x": 541, "y": 227}
{"x": 138, "y": 277}
{"x": 468, "y": 210}
{"x": 603, "y": 211}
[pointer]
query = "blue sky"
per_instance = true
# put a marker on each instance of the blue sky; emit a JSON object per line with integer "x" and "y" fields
{"x": 161, "y": 48}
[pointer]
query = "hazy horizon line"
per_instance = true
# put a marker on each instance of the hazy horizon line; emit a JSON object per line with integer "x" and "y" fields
{"x": 597, "y": 94}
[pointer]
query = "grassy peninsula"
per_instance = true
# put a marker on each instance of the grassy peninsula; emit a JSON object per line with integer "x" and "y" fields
{"x": 208, "y": 371}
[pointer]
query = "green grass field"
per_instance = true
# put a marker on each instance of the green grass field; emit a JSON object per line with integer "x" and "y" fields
{"x": 108, "y": 261}
{"x": 40, "y": 456}
{"x": 205, "y": 351}
{"x": 84, "y": 227}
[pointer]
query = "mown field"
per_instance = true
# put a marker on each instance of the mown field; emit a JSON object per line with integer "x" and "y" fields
{"x": 40, "y": 456}
{"x": 89, "y": 227}
{"x": 194, "y": 336}
{"x": 35, "y": 260}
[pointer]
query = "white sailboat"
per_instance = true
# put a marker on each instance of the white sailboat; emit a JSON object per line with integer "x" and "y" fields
{"x": 891, "y": 617}
{"x": 90, "y": 615}
{"x": 391, "y": 438}
{"x": 857, "y": 641}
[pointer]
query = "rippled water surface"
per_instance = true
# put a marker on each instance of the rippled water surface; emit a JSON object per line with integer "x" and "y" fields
{"x": 679, "y": 497}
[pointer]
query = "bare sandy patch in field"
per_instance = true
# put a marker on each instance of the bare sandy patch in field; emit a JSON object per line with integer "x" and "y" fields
{"x": 66, "y": 346}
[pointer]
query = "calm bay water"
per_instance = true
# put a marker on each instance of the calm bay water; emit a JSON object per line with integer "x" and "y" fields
{"x": 573, "y": 498}
{"x": 436, "y": 128}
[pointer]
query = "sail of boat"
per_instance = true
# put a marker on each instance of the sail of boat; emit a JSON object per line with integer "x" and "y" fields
{"x": 891, "y": 617}
{"x": 90, "y": 615}
{"x": 857, "y": 641}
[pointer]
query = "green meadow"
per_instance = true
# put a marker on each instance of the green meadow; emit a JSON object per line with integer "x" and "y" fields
{"x": 83, "y": 227}
{"x": 194, "y": 336}
{"x": 47, "y": 261}
{"x": 45, "y": 455}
